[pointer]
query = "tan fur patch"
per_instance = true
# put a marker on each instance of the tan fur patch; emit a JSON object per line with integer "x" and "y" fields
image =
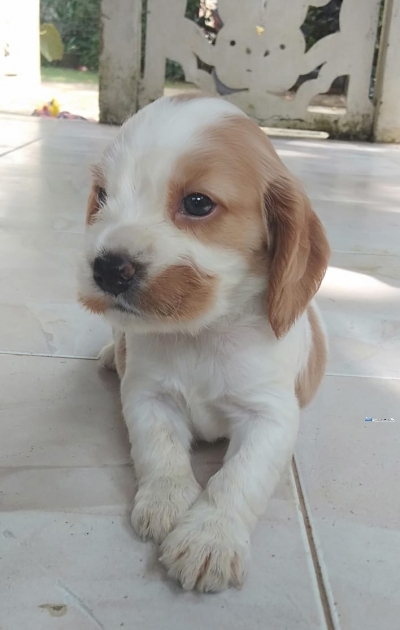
{"x": 299, "y": 252}
{"x": 180, "y": 293}
{"x": 189, "y": 95}
{"x": 93, "y": 206}
{"x": 309, "y": 381}
{"x": 225, "y": 167}
{"x": 95, "y": 303}
{"x": 261, "y": 211}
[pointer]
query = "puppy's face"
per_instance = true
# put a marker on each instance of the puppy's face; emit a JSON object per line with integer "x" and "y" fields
{"x": 191, "y": 216}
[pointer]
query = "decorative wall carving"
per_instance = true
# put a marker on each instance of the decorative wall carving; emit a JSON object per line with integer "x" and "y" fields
{"x": 260, "y": 52}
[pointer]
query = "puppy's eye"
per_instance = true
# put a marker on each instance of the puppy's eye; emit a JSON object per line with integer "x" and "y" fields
{"x": 198, "y": 205}
{"x": 101, "y": 195}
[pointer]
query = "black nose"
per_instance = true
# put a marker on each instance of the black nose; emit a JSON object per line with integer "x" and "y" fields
{"x": 113, "y": 273}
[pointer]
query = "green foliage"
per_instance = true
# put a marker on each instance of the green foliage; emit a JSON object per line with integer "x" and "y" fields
{"x": 321, "y": 21}
{"x": 192, "y": 9}
{"x": 56, "y": 74}
{"x": 78, "y": 24}
{"x": 51, "y": 46}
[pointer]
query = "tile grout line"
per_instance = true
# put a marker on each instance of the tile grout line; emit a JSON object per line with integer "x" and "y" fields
{"x": 72, "y": 467}
{"x": 46, "y": 356}
{"x": 21, "y": 146}
{"x": 349, "y": 252}
{"x": 363, "y": 202}
{"x": 376, "y": 377}
{"x": 322, "y": 589}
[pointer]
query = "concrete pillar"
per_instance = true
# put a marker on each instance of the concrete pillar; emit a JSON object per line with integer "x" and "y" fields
{"x": 119, "y": 63}
{"x": 387, "y": 94}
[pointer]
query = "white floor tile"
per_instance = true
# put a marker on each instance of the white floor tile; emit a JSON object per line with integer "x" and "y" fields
{"x": 349, "y": 470}
{"x": 67, "y": 490}
{"x": 69, "y": 556}
{"x": 94, "y": 565}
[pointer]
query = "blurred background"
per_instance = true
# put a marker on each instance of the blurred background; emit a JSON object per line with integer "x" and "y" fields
{"x": 320, "y": 65}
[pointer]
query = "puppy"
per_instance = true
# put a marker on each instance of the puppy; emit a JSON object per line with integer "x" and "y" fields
{"x": 204, "y": 254}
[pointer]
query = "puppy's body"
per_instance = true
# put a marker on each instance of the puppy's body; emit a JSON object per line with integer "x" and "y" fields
{"x": 215, "y": 334}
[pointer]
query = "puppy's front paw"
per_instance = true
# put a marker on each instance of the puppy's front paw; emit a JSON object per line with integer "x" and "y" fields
{"x": 206, "y": 551}
{"x": 160, "y": 503}
{"x": 107, "y": 357}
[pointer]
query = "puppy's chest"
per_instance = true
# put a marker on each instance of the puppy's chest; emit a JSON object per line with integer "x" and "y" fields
{"x": 200, "y": 374}
{"x": 196, "y": 370}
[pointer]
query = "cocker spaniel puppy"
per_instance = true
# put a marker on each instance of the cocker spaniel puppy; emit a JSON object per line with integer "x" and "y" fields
{"x": 204, "y": 253}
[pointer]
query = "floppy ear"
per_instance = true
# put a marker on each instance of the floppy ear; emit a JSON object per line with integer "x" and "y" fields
{"x": 299, "y": 252}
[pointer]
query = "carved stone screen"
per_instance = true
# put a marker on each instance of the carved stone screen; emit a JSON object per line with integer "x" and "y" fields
{"x": 259, "y": 60}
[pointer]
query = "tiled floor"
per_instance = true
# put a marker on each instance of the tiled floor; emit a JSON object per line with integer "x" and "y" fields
{"x": 327, "y": 553}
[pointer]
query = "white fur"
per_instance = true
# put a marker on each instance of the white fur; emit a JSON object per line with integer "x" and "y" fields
{"x": 237, "y": 382}
{"x": 223, "y": 375}
{"x": 107, "y": 357}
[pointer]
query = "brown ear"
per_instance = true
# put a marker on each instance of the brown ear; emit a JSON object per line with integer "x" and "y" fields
{"x": 299, "y": 252}
{"x": 93, "y": 205}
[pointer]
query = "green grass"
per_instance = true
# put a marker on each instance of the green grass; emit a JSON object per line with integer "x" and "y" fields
{"x": 52, "y": 74}
{"x": 179, "y": 84}
{"x": 67, "y": 75}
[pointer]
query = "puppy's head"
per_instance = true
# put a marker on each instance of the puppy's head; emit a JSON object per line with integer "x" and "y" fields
{"x": 191, "y": 217}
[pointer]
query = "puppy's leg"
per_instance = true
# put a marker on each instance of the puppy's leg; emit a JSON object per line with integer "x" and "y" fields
{"x": 209, "y": 548}
{"x": 107, "y": 357}
{"x": 113, "y": 356}
{"x": 160, "y": 441}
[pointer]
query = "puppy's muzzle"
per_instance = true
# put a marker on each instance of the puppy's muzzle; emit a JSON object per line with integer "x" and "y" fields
{"x": 113, "y": 273}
